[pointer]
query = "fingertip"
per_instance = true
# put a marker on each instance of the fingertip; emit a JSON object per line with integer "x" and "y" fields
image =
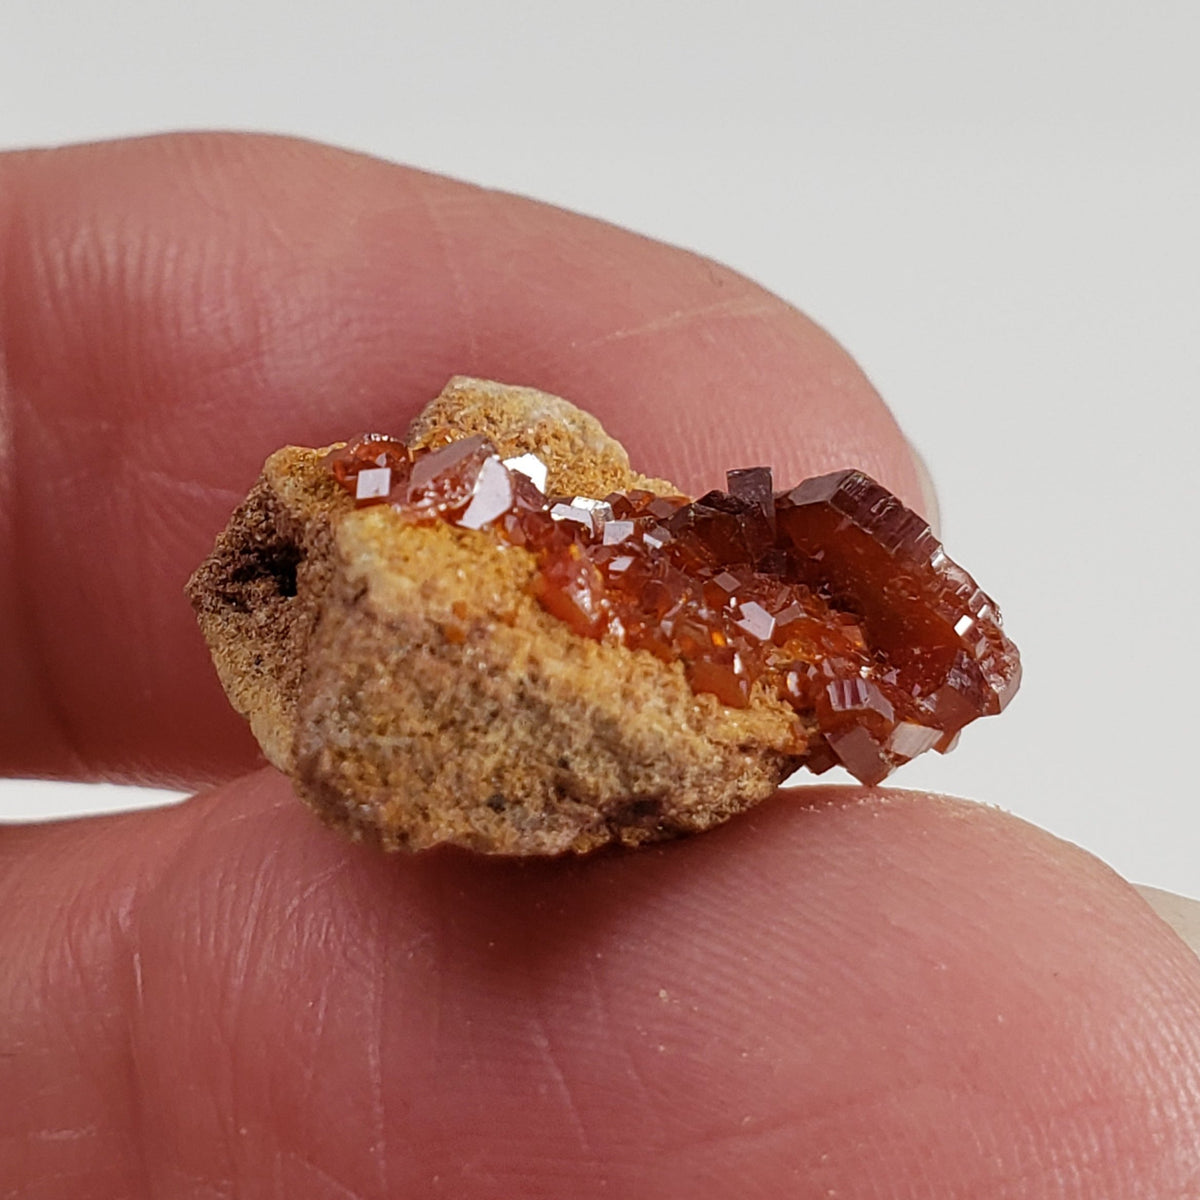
{"x": 849, "y": 993}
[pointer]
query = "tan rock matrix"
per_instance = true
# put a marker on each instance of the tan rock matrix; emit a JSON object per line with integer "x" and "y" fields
{"x": 409, "y": 676}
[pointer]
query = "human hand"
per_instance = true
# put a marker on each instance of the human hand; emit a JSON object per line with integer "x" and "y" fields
{"x": 874, "y": 993}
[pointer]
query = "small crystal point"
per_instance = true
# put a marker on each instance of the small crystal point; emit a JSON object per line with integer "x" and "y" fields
{"x": 444, "y": 480}
{"x": 656, "y": 537}
{"x": 601, "y": 511}
{"x": 571, "y": 512}
{"x": 755, "y": 620}
{"x": 908, "y": 739}
{"x": 531, "y": 467}
{"x": 493, "y": 495}
{"x": 858, "y": 695}
{"x": 861, "y": 755}
{"x": 369, "y": 452}
{"x": 373, "y": 483}
{"x": 616, "y": 532}
{"x": 445, "y": 459}
{"x": 755, "y": 486}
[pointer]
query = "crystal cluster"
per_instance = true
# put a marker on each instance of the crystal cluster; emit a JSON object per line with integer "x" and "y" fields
{"x": 832, "y": 596}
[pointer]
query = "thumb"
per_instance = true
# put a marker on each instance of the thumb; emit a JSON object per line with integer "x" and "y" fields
{"x": 882, "y": 993}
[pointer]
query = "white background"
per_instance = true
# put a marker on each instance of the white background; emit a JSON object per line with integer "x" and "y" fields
{"x": 994, "y": 207}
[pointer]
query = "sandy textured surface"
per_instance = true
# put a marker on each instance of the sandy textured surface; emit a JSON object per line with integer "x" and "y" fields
{"x": 415, "y": 691}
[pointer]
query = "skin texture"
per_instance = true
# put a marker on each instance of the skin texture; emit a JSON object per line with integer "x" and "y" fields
{"x": 865, "y": 993}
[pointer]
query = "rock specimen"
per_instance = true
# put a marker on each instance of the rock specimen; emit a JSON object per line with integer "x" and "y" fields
{"x": 494, "y": 633}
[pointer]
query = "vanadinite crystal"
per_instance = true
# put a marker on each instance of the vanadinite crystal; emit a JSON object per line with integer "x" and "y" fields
{"x": 832, "y": 595}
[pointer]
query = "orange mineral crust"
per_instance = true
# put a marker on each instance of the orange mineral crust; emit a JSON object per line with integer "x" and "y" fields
{"x": 742, "y": 634}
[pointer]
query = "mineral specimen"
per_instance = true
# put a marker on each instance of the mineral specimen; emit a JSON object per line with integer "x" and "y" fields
{"x": 744, "y": 633}
{"x": 833, "y": 594}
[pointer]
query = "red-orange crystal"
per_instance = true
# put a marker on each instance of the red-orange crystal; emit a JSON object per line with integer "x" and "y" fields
{"x": 832, "y": 596}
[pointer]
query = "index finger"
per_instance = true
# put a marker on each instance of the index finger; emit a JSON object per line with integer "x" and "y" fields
{"x": 173, "y": 309}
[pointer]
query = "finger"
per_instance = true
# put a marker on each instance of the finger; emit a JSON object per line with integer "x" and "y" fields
{"x": 173, "y": 309}
{"x": 888, "y": 994}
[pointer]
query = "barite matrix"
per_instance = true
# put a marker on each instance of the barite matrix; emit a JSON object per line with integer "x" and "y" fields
{"x": 831, "y": 595}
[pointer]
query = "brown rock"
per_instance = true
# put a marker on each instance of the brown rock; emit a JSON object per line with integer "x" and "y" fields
{"x": 406, "y": 679}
